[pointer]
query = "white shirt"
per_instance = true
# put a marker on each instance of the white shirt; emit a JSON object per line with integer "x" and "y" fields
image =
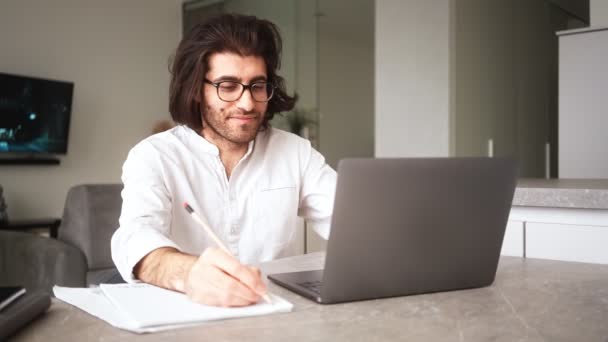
{"x": 254, "y": 212}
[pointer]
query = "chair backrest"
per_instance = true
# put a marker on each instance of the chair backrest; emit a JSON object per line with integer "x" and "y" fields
{"x": 90, "y": 217}
{"x": 38, "y": 262}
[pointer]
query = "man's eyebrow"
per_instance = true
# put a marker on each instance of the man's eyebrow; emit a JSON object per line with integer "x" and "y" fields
{"x": 238, "y": 79}
{"x": 258, "y": 79}
{"x": 226, "y": 78}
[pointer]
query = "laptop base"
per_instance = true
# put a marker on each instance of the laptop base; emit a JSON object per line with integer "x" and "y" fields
{"x": 298, "y": 283}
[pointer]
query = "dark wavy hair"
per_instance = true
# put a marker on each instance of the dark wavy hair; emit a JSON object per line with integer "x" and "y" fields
{"x": 239, "y": 34}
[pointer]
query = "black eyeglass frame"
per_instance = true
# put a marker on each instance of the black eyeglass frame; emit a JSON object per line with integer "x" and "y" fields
{"x": 269, "y": 86}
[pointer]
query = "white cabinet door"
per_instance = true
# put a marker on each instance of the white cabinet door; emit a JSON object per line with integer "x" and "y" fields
{"x": 567, "y": 242}
{"x": 513, "y": 243}
{"x": 583, "y": 79}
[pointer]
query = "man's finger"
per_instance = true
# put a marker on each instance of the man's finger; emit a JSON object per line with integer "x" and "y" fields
{"x": 235, "y": 269}
{"x": 229, "y": 286}
{"x": 260, "y": 286}
{"x": 216, "y": 296}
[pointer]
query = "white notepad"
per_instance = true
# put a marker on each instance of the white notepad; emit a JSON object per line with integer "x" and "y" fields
{"x": 146, "y": 308}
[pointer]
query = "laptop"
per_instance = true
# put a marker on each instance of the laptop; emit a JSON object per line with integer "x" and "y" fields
{"x": 411, "y": 226}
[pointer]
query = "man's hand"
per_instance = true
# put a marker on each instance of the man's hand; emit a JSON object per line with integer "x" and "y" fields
{"x": 214, "y": 278}
{"x": 218, "y": 279}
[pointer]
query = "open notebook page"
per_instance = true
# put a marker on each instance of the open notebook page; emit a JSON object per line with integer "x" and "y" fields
{"x": 147, "y": 306}
{"x": 96, "y": 303}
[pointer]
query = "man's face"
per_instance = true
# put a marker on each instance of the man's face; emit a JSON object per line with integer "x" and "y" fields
{"x": 239, "y": 121}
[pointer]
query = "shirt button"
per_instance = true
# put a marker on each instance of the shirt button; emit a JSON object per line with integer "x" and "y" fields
{"x": 234, "y": 229}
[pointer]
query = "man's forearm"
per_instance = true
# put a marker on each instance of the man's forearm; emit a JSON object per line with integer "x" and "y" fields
{"x": 165, "y": 267}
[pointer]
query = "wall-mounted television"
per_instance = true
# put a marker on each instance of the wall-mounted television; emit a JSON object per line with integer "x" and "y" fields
{"x": 34, "y": 115}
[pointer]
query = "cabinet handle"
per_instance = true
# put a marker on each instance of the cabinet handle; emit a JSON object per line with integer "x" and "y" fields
{"x": 547, "y": 160}
{"x": 490, "y": 148}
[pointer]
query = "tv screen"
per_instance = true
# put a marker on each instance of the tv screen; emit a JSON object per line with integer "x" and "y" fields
{"x": 34, "y": 114}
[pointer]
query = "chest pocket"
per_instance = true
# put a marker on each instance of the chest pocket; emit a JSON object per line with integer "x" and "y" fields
{"x": 276, "y": 208}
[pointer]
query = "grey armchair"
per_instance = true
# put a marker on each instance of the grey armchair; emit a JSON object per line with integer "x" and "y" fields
{"x": 38, "y": 263}
{"x": 81, "y": 254}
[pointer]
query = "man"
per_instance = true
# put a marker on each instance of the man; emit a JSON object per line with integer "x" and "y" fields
{"x": 248, "y": 180}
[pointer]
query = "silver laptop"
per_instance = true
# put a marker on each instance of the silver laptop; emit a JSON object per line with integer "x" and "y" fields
{"x": 411, "y": 226}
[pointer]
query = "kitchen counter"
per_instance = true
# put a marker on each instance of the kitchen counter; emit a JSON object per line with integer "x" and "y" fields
{"x": 562, "y": 193}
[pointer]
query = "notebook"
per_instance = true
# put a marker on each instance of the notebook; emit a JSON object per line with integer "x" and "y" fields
{"x": 142, "y": 308}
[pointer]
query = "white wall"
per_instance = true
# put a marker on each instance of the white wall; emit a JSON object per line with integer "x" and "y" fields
{"x": 412, "y": 78}
{"x": 346, "y": 79}
{"x": 345, "y": 84}
{"x": 116, "y": 53}
{"x": 598, "y": 12}
{"x": 451, "y": 75}
{"x": 583, "y": 80}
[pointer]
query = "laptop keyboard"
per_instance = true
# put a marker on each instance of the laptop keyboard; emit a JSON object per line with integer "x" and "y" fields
{"x": 314, "y": 286}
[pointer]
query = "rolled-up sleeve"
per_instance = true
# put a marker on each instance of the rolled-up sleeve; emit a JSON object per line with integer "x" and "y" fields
{"x": 145, "y": 219}
{"x": 317, "y": 190}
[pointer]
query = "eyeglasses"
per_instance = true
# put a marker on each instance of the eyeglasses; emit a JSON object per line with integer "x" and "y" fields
{"x": 230, "y": 91}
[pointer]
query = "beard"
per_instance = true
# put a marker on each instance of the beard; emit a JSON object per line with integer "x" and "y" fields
{"x": 225, "y": 125}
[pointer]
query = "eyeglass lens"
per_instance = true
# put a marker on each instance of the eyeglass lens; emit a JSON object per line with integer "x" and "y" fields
{"x": 232, "y": 91}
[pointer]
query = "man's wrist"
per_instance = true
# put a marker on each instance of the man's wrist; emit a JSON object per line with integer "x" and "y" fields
{"x": 181, "y": 264}
{"x": 165, "y": 267}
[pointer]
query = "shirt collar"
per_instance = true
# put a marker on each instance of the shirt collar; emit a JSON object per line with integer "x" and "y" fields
{"x": 250, "y": 147}
{"x": 208, "y": 147}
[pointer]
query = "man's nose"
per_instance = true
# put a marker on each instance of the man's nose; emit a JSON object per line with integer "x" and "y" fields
{"x": 246, "y": 102}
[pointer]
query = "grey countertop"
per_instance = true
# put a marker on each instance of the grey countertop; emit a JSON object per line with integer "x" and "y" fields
{"x": 531, "y": 300}
{"x": 562, "y": 193}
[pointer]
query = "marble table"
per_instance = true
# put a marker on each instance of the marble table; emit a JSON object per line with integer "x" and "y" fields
{"x": 531, "y": 300}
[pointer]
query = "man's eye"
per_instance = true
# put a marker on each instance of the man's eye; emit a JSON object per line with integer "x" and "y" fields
{"x": 229, "y": 86}
{"x": 258, "y": 87}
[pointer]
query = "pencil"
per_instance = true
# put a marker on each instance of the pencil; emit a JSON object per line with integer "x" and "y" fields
{"x": 214, "y": 237}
